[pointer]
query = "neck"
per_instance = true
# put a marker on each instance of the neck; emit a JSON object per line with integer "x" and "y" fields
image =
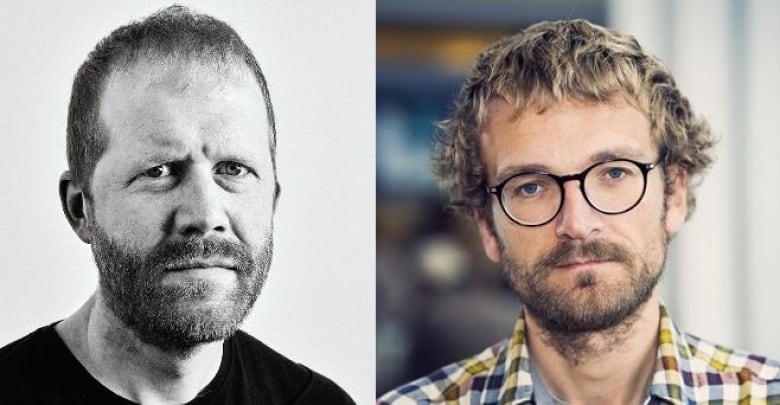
{"x": 606, "y": 367}
{"x": 131, "y": 368}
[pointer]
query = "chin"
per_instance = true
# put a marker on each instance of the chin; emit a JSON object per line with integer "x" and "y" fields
{"x": 590, "y": 302}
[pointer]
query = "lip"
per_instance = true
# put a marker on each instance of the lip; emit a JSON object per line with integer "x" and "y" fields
{"x": 200, "y": 264}
{"x": 583, "y": 263}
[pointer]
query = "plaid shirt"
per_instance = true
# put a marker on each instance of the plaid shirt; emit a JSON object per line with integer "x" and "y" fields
{"x": 688, "y": 371}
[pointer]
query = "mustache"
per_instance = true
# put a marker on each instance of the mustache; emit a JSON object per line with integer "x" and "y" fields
{"x": 174, "y": 253}
{"x": 569, "y": 250}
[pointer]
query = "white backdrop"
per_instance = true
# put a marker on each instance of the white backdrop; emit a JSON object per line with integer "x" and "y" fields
{"x": 318, "y": 57}
{"x": 723, "y": 280}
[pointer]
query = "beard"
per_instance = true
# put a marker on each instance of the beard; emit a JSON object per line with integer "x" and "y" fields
{"x": 593, "y": 303}
{"x": 132, "y": 285}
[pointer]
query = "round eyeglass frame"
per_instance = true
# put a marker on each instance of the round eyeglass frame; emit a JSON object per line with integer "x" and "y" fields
{"x": 498, "y": 189}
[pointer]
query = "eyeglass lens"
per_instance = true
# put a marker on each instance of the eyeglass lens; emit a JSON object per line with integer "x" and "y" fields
{"x": 610, "y": 187}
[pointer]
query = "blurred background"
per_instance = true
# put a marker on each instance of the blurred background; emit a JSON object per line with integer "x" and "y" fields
{"x": 439, "y": 299}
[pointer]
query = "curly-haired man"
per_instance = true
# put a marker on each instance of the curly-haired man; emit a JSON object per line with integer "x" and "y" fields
{"x": 575, "y": 154}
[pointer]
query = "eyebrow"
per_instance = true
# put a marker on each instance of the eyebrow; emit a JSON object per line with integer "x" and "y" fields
{"x": 601, "y": 156}
{"x": 162, "y": 156}
{"x": 172, "y": 155}
{"x": 618, "y": 153}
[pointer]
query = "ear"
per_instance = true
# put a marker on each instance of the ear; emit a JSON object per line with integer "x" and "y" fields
{"x": 489, "y": 238}
{"x": 73, "y": 205}
{"x": 676, "y": 200}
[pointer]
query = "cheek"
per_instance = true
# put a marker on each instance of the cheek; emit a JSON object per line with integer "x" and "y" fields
{"x": 252, "y": 216}
{"x": 652, "y": 209}
{"x": 137, "y": 223}
{"x": 525, "y": 244}
{"x": 643, "y": 227}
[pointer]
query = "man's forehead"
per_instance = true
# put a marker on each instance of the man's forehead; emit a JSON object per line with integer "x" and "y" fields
{"x": 548, "y": 114}
{"x": 568, "y": 134}
{"x": 149, "y": 77}
{"x": 175, "y": 72}
{"x": 152, "y": 99}
{"x": 513, "y": 109}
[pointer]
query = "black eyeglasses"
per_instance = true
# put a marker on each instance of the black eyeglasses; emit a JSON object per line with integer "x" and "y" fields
{"x": 611, "y": 187}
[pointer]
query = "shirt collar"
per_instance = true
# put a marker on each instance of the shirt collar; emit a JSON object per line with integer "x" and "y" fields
{"x": 673, "y": 356}
{"x": 667, "y": 383}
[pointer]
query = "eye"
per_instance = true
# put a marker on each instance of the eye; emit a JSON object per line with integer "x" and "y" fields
{"x": 529, "y": 189}
{"x": 158, "y": 171}
{"x": 615, "y": 173}
{"x": 234, "y": 169}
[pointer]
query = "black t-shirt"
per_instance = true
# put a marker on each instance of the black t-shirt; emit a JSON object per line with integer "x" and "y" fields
{"x": 40, "y": 369}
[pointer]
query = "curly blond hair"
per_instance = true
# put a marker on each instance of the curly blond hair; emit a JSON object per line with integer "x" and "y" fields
{"x": 565, "y": 60}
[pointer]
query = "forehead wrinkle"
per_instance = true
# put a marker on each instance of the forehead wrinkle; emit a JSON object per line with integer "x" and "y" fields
{"x": 502, "y": 123}
{"x": 618, "y": 152}
{"x": 152, "y": 134}
{"x": 217, "y": 125}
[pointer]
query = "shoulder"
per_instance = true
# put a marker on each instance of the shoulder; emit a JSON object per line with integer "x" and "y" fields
{"x": 256, "y": 357}
{"x": 283, "y": 374}
{"x": 714, "y": 358}
{"x": 34, "y": 346}
{"x": 729, "y": 374}
{"x": 28, "y": 361}
{"x": 324, "y": 391}
{"x": 456, "y": 381}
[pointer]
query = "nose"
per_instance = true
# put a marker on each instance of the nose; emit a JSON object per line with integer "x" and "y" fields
{"x": 201, "y": 206}
{"x": 576, "y": 219}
